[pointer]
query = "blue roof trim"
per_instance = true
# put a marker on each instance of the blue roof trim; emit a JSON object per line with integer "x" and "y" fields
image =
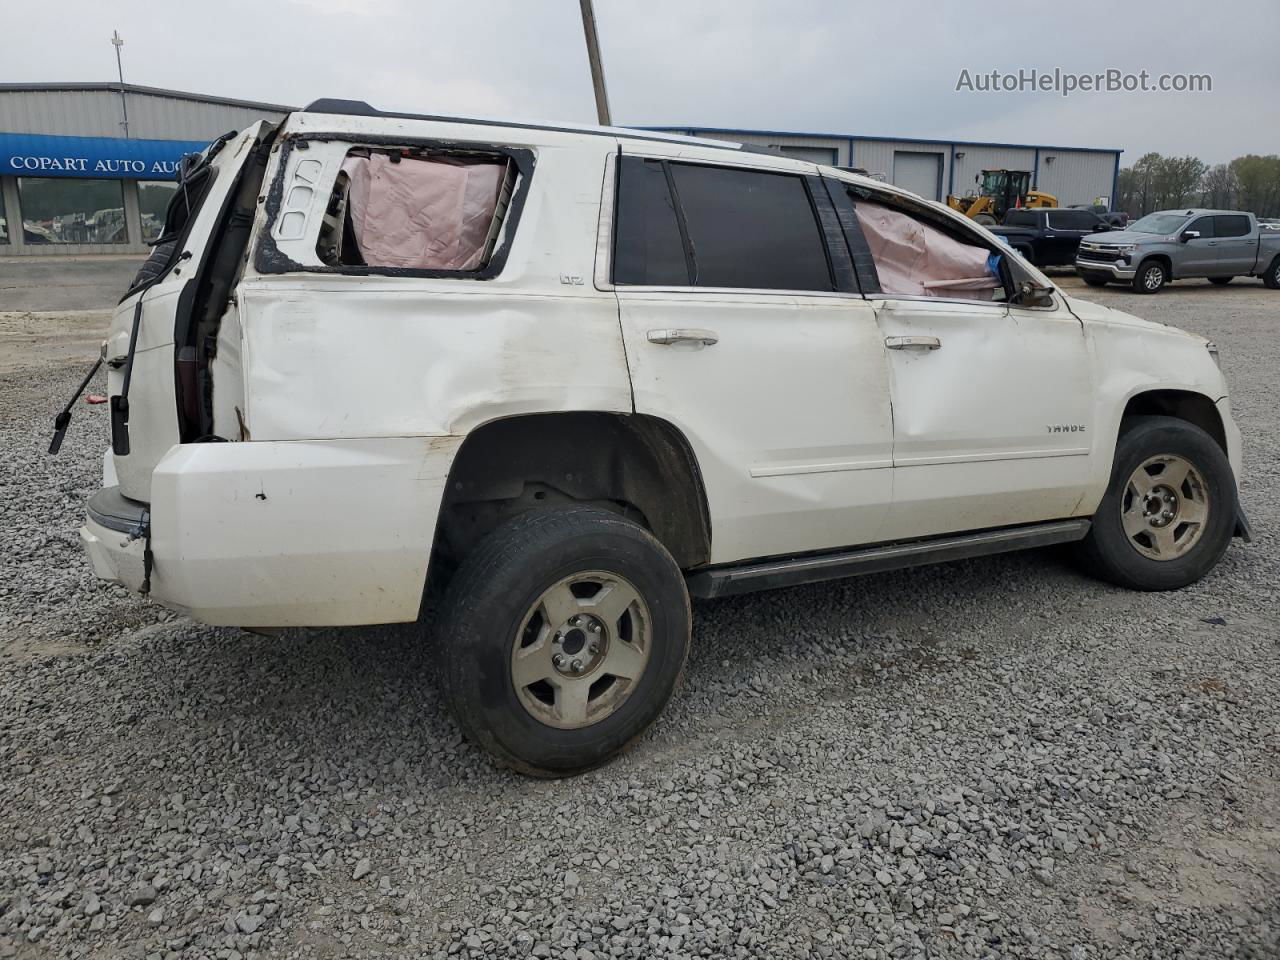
{"x": 688, "y": 130}
{"x": 94, "y": 158}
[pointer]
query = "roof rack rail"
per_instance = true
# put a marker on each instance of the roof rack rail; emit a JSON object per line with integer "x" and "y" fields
{"x": 360, "y": 108}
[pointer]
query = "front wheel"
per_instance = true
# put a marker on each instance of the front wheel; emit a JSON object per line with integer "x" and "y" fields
{"x": 564, "y": 634}
{"x": 985, "y": 219}
{"x": 1151, "y": 276}
{"x": 1169, "y": 511}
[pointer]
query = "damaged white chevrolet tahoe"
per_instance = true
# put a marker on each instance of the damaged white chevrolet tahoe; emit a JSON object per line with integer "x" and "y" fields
{"x": 576, "y": 376}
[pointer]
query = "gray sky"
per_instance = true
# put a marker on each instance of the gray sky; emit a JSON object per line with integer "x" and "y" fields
{"x": 885, "y": 68}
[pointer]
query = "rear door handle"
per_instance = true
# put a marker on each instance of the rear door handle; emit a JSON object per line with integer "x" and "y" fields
{"x": 707, "y": 338}
{"x": 913, "y": 343}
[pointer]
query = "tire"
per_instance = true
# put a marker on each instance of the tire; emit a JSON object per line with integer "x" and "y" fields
{"x": 1095, "y": 279}
{"x": 527, "y": 594}
{"x": 1126, "y": 533}
{"x": 1272, "y": 277}
{"x": 985, "y": 219}
{"x": 1220, "y": 281}
{"x": 1151, "y": 276}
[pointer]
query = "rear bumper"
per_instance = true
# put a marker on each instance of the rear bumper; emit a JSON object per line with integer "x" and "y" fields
{"x": 1118, "y": 271}
{"x": 297, "y": 533}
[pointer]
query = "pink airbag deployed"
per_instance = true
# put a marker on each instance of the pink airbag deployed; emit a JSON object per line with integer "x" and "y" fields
{"x": 427, "y": 214}
{"x": 915, "y": 259}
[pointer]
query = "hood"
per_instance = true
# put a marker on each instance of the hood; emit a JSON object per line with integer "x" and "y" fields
{"x": 1125, "y": 236}
{"x": 1089, "y": 312}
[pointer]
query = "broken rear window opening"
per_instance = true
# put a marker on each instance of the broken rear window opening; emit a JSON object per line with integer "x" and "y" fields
{"x": 416, "y": 210}
{"x": 194, "y": 178}
{"x": 915, "y": 258}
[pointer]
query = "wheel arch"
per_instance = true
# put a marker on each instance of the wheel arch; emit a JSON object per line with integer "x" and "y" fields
{"x": 638, "y": 465}
{"x": 1195, "y": 408}
{"x": 1165, "y": 260}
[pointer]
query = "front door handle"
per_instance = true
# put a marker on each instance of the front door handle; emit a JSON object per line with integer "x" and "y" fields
{"x": 913, "y": 343}
{"x": 707, "y": 338}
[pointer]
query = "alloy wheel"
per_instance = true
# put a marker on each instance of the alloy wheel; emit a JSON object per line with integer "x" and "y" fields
{"x": 1165, "y": 508}
{"x": 581, "y": 650}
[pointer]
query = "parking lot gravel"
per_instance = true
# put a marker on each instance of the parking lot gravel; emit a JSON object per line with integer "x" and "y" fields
{"x": 996, "y": 758}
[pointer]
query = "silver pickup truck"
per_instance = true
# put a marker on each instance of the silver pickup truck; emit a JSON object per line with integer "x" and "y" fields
{"x": 1181, "y": 244}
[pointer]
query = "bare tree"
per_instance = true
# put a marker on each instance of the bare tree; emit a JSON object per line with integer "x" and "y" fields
{"x": 1218, "y": 187}
{"x": 1154, "y": 182}
{"x": 1259, "y": 180}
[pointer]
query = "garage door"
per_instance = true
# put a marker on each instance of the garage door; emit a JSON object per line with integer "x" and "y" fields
{"x": 825, "y": 155}
{"x": 918, "y": 172}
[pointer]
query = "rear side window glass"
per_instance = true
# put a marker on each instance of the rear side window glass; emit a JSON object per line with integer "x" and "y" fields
{"x": 1019, "y": 218}
{"x": 1071, "y": 220}
{"x": 416, "y": 210}
{"x": 649, "y": 250}
{"x": 1231, "y": 225}
{"x": 751, "y": 230}
{"x": 1204, "y": 225}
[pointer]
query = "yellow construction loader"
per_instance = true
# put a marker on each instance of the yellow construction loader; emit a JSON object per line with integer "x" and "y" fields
{"x": 998, "y": 192}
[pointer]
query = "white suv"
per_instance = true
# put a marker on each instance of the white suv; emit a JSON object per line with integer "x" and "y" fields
{"x": 573, "y": 376}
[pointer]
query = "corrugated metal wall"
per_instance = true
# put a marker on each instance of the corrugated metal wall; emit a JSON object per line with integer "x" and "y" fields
{"x": 977, "y": 159}
{"x": 876, "y": 157}
{"x": 1076, "y": 176}
{"x": 772, "y": 140}
{"x": 97, "y": 113}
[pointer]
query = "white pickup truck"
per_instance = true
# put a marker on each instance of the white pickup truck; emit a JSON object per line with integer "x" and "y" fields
{"x": 575, "y": 376}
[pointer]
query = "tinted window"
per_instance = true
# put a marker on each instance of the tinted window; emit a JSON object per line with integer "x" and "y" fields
{"x": 1204, "y": 225}
{"x": 1072, "y": 220}
{"x": 751, "y": 230}
{"x": 648, "y": 246}
{"x": 1019, "y": 218}
{"x": 1233, "y": 225}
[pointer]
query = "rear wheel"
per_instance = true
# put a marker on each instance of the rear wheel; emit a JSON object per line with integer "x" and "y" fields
{"x": 1221, "y": 281}
{"x": 564, "y": 633}
{"x": 1272, "y": 277}
{"x": 1095, "y": 279}
{"x": 1151, "y": 276}
{"x": 1169, "y": 511}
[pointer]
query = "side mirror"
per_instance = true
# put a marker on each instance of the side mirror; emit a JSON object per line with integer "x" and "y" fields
{"x": 1032, "y": 294}
{"x": 1188, "y": 235}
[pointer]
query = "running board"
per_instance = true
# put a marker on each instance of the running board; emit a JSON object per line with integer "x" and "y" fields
{"x": 812, "y": 568}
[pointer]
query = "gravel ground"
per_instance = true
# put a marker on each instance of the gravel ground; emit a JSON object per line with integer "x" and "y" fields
{"x": 991, "y": 758}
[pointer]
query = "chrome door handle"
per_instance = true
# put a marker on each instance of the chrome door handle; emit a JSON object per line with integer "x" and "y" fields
{"x": 707, "y": 338}
{"x": 913, "y": 343}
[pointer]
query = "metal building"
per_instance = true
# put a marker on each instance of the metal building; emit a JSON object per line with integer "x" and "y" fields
{"x": 88, "y": 167}
{"x": 936, "y": 168}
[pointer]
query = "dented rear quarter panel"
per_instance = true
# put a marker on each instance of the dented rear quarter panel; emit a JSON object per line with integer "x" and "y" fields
{"x": 331, "y": 355}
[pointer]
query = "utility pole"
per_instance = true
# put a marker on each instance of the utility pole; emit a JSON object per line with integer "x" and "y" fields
{"x": 118, "y": 42}
{"x": 597, "y": 68}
